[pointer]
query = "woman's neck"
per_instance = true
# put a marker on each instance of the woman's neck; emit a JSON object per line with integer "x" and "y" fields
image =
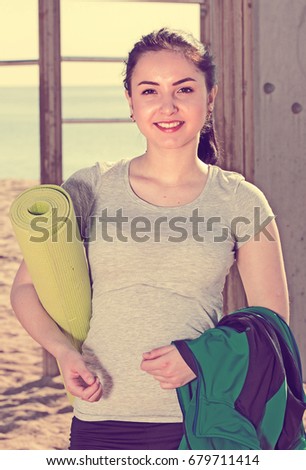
{"x": 170, "y": 167}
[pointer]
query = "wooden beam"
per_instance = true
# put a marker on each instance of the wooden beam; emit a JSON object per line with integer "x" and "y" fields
{"x": 96, "y": 120}
{"x": 50, "y": 92}
{"x": 160, "y": 1}
{"x": 50, "y": 111}
{"x": 4, "y": 63}
{"x": 248, "y": 89}
{"x": 92, "y": 59}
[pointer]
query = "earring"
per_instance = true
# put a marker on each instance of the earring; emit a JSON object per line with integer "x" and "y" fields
{"x": 132, "y": 116}
{"x": 210, "y": 108}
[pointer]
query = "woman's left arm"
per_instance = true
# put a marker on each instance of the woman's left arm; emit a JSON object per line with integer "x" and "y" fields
{"x": 261, "y": 268}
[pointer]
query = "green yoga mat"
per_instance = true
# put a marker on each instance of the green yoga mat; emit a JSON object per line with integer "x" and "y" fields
{"x": 46, "y": 229}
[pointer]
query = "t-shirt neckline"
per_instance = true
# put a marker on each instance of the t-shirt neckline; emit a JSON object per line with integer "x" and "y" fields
{"x": 147, "y": 204}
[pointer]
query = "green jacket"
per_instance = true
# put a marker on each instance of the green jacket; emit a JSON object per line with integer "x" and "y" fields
{"x": 248, "y": 393}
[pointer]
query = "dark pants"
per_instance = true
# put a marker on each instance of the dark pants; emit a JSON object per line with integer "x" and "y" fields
{"x": 124, "y": 435}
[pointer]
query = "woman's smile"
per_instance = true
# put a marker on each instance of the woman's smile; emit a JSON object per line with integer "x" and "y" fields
{"x": 169, "y": 126}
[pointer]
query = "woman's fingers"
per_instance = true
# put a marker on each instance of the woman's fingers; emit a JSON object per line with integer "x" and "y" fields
{"x": 93, "y": 392}
{"x": 158, "y": 352}
{"x": 167, "y": 366}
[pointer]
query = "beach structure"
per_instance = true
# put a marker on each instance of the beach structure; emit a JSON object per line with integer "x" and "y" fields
{"x": 260, "y": 116}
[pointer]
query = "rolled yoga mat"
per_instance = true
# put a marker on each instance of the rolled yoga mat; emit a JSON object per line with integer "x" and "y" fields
{"x": 46, "y": 229}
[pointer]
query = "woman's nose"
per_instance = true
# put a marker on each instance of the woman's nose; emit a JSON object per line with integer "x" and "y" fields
{"x": 168, "y": 106}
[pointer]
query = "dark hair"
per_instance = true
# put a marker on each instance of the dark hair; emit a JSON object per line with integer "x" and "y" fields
{"x": 166, "y": 39}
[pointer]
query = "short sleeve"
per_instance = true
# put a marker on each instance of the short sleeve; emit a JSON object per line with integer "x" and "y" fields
{"x": 252, "y": 213}
{"x": 82, "y": 187}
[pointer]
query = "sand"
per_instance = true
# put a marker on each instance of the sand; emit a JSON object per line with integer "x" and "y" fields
{"x": 34, "y": 410}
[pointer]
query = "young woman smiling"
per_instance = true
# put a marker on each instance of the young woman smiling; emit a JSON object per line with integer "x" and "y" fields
{"x": 189, "y": 220}
{"x": 169, "y": 102}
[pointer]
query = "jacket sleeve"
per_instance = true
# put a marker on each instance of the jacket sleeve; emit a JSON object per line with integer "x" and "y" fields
{"x": 186, "y": 354}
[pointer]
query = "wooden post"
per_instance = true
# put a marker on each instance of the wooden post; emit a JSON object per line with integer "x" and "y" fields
{"x": 227, "y": 27}
{"x": 50, "y": 92}
{"x": 50, "y": 111}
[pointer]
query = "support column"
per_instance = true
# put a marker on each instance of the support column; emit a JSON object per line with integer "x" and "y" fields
{"x": 50, "y": 111}
{"x": 50, "y": 92}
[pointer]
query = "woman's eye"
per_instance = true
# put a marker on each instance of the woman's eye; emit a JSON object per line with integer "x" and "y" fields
{"x": 185, "y": 89}
{"x": 149, "y": 91}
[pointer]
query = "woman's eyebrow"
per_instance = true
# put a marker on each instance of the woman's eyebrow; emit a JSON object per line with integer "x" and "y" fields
{"x": 188, "y": 79}
{"x": 179, "y": 82}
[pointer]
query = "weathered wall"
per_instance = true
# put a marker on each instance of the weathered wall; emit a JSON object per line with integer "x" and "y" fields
{"x": 280, "y": 136}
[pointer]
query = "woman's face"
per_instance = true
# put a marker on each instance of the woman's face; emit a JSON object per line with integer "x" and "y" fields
{"x": 169, "y": 99}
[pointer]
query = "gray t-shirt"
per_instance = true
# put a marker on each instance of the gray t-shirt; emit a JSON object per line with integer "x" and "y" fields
{"x": 157, "y": 275}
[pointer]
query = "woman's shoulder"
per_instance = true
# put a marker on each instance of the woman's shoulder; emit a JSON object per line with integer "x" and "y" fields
{"x": 84, "y": 185}
{"x": 241, "y": 197}
{"x": 227, "y": 178}
{"x": 234, "y": 182}
{"x": 91, "y": 175}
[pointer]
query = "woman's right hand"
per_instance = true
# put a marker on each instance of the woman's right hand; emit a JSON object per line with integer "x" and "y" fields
{"x": 79, "y": 381}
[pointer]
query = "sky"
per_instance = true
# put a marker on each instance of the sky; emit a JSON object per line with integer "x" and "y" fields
{"x": 88, "y": 28}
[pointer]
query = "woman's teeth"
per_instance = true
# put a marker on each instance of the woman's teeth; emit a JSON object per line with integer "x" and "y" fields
{"x": 169, "y": 125}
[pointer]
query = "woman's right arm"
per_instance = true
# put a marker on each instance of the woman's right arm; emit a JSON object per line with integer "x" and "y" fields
{"x": 33, "y": 317}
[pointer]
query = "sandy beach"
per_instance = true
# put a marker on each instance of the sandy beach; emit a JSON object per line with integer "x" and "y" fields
{"x": 35, "y": 412}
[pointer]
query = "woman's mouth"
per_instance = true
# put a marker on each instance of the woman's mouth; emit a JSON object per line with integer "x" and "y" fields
{"x": 169, "y": 126}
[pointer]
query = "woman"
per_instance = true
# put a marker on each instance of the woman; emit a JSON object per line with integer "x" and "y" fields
{"x": 162, "y": 231}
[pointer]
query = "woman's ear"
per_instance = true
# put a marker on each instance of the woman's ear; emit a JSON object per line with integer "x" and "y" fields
{"x": 212, "y": 94}
{"x": 129, "y": 98}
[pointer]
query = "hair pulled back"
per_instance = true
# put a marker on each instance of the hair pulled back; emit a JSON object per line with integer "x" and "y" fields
{"x": 195, "y": 51}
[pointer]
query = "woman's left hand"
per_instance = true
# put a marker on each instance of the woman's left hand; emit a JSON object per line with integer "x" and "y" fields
{"x": 167, "y": 366}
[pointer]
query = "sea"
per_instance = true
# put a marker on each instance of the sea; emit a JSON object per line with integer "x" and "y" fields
{"x": 82, "y": 144}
